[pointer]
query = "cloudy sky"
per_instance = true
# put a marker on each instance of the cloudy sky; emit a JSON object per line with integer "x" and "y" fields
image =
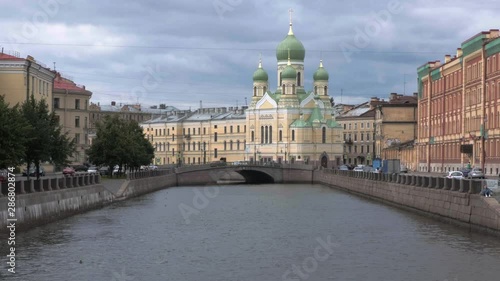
{"x": 181, "y": 52}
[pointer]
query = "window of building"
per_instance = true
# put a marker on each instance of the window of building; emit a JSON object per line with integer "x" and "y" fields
{"x": 280, "y": 135}
{"x": 270, "y": 134}
{"x": 231, "y": 145}
{"x": 77, "y": 138}
{"x": 252, "y": 136}
{"x": 298, "y": 79}
{"x": 56, "y": 102}
{"x": 58, "y": 118}
{"x": 350, "y": 126}
{"x": 362, "y": 125}
{"x": 215, "y": 126}
{"x": 355, "y": 126}
{"x": 293, "y": 135}
{"x": 225, "y": 130}
{"x": 323, "y": 135}
{"x": 231, "y": 129}
{"x": 215, "y": 152}
{"x": 362, "y": 136}
{"x": 189, "y": 131}
{"x": 261, "y": 134}
{"x": 237, "y": 145}
{"x": 245, "y": 129}
{"x": 238, "y": 128}
{"x": 204, "y": 131}
{"x": 199, "y": 130}
{"x": 77, "y": 121}
{"x": 215, "y": 137}
{"x": 225, "y": 145}
{"x": 355, "y": 137}
{"x": 77, "y": 103}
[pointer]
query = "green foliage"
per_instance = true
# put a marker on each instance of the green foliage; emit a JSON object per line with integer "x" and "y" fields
{"x": 13, "y": 131}
{"x": 120, "y": 142}
{"x": 45, "y": 140}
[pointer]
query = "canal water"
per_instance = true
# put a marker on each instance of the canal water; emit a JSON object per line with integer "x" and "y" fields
{"x": 254, "y": 233}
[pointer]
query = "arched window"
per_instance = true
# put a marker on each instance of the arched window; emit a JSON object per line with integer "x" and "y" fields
{"x": 293, "y": 89}
{"x": 323, "y": 135}
{"x": 267, "y": 135}
{"x": 298, "y": 79}
{"x": 283, "y": 89}
{"x": 254, "y": 91}
{"x": 252, "y": 136}
{"x": 262, "y": 134}
{"x": 265, "y": 90}
{"x": 315, "y": 90}
{"x": 326, "y": 91}
{"x": 281, "y": 80}
{"x": 280, "y": 135}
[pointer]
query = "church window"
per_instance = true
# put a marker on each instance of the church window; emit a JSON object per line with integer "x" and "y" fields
{"x": 293, "y": 89}
{"x": 265, "y": 90}
{"x": 323, "y": 135}
{"x": 281, "y": 80}
{"x": 283, "y": 89}
{"x": 298, "y": 79}
{"x": 315, "y": 90}
{"x": 254, "y": 91}
{"x": 267, "y": 135}
{"x": 262, "y": 134}
{"x": 326, "y": 91}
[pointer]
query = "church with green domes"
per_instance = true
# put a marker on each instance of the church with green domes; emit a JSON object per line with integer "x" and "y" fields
{"x": 292, "y": 124}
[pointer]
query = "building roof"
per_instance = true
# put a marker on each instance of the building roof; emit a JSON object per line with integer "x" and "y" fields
{"x": 4, "y": 56}
{"x": 62, "y": 83}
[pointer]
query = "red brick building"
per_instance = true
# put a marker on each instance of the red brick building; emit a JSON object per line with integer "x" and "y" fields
{"x": 459, "y": 108}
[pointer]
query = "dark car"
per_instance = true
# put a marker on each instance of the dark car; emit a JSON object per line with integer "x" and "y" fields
{"x": 80, "y": 168}
{"x": 466, "y": 172}
{"x": 104, "y": 171}
{"x": 475, "y": 173}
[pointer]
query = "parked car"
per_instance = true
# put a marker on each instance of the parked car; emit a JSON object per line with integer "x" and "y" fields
{"x": 343, "y": 168}
{"x": 68, "y": 171}
{"x": 403, "y": 169}
{"x": 80, "y": 168}
{"x": 466, "y": 172}
{"x": 358, "y": 169}
{"x": 104, "y": 171}
{"x": 455, "y": 175}
{"x": 92, "y": 170}
{"x": 33, "y": 173}
{"x": 476, "y": 173}
{"x": 153, "y": 167}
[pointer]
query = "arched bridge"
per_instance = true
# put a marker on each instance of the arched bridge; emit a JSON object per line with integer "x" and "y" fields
{"x": 248, "y": 173}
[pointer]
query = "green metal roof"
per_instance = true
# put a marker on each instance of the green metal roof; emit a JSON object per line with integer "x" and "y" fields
{"x": 436, "y": 74}
{"x": 260, "y": 75}
{"x": 316, "y": 115}
{"x": 297, "y": 50}
{"x": 289, "y": 73}
{"x": 321, "y": 74}
{"x": 299, "y": 123}
{"x": 493, "y": 47}
{"x": 473, "y": 44}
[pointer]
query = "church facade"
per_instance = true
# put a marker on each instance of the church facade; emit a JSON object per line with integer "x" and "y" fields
{"x": 289, "y": 125}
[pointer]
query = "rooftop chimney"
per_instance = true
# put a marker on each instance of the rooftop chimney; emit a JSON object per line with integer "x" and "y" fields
{"x": 393, "y": 96}
{"x": 113, "y": 103}
{"x": 494, "y": 33}
{"x": 459, "y": 52}
{"x": 447, "y": 58}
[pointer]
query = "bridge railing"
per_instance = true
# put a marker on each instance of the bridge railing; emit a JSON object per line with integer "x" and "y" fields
{"x": 24, "y": 186}
{"x": 458, "y": 185}
{"x": 149, "y": 173}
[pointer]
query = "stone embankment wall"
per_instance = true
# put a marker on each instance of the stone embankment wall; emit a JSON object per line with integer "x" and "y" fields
{"x": 47, "y": 200}
{"x": 453, "y": 200}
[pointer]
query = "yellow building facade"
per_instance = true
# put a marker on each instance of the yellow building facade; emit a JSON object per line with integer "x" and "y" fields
{"x": 20, "y": 78}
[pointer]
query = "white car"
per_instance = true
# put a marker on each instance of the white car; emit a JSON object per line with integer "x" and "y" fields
{"x": 455, "y": 175}
{"x": 358, "y": 169}
{"x": 92, "y": 170}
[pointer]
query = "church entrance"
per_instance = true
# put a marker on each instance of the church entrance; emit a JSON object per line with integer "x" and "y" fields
{"x": 324, "y": 161}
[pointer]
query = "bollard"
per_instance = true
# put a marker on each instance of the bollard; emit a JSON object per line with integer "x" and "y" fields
{"x": 21, "y": 187}
{"x": 430, "y": 183}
